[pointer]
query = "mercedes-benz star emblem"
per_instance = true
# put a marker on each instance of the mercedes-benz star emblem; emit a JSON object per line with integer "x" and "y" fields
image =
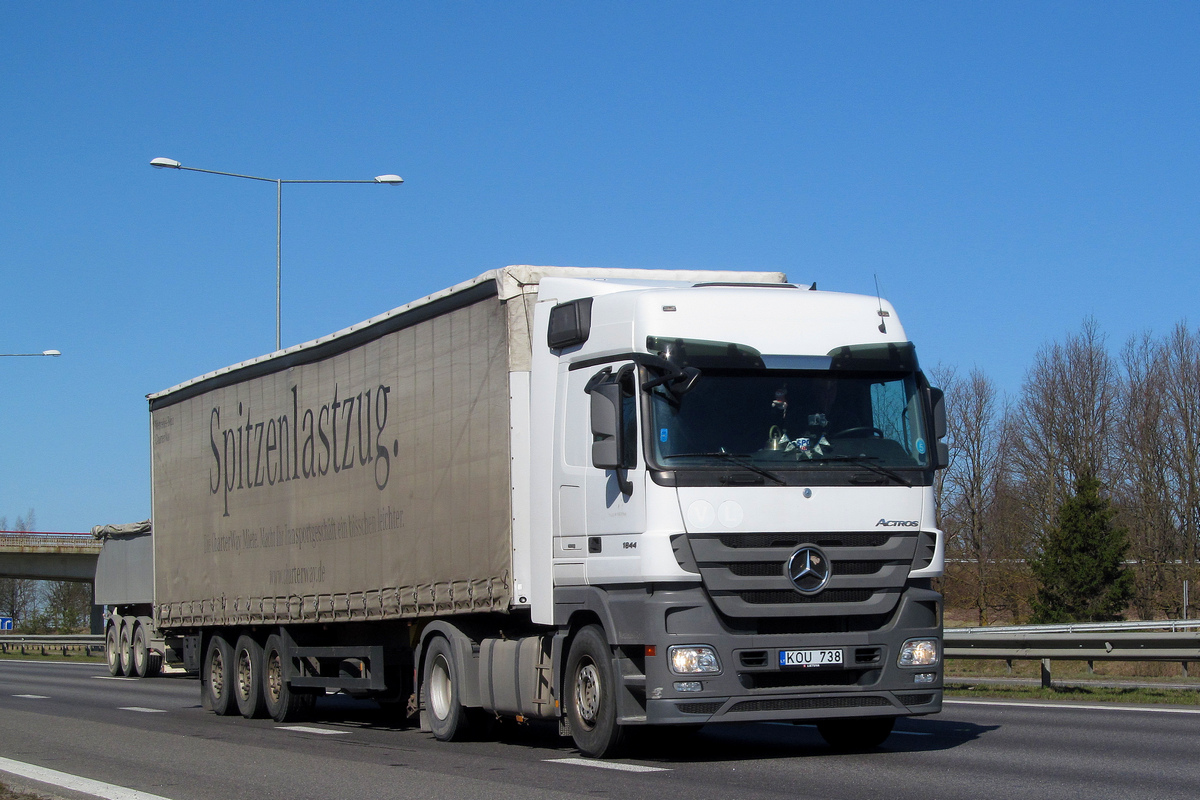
{"x": 808, "y": 569}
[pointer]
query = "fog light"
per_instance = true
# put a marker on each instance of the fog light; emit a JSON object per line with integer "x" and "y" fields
{"x": 688, "y": 686}
{"x": 690, "y": 659}
{"x": 918, "y": 653}
{"x": 925, "y": 677}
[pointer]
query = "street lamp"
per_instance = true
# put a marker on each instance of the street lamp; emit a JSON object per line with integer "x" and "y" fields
{"x": 170, "y": 163}
{"x": 20, "y": 355}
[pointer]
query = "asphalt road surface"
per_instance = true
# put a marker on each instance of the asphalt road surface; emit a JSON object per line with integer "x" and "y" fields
{"x": 136, "y": 740}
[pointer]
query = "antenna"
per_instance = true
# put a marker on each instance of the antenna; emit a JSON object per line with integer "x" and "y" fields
{"x": 882, "y": 313}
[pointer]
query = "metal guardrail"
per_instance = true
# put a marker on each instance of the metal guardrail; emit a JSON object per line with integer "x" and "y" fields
{"x": 71, "y": 541}
{"x": 1158, "y": 640}
{"x": 27, "y": 644}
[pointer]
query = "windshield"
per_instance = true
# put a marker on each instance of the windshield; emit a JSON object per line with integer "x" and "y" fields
{"x": 783, "y": 419}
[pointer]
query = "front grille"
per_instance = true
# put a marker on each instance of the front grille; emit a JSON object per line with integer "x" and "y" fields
{"x": 810, "y": 677}
{"x": 746, "y": 575}
{"x": 806, "y": 703}
{"x": 701, "y": 708}
{"x": 790, "y": 596}
{"x": 774, "y": 626}
{"x": 759, "y": 569}
{"x": 794, "y": 540}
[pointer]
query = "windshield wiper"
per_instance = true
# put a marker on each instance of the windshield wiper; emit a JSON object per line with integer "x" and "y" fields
{"x": 734, "y": 458}
{"x": 865, "y": 461}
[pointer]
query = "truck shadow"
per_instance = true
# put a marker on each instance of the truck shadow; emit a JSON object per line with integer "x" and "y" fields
{"x": 729, "y": 742}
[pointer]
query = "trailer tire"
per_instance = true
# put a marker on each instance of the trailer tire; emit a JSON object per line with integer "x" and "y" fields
{"x": 139, "y": 651}
{"x": 281, "y": 702}
{"x": 112, "y": 650}
{"x": 217, "y": 677}
{"x": 126, "y": 649}
{"x": 440, "y": 693}
{"x": 247, "y": 677}
{"x": 855, "y": 734}
{"x": 592, "y": 694}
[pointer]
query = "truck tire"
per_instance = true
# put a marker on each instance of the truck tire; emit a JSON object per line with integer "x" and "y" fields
{"x": 440, "y": 693}
{"x": 247, "y": 677}
{"x": 139, "y": 651}
{"x": 216, "y": 677}
{"x": 112, "y": 650}
{"x": 592, "y": 694}
{"x": 281, "y": 702}
{"x": 856, "y": 734}
{"x": 126, "y": 649}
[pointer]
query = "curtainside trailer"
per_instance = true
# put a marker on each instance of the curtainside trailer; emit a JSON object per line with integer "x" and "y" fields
{"x": 611, "y": 498}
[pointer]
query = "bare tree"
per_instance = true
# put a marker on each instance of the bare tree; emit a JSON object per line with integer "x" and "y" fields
{"x": 1063, "y": 422}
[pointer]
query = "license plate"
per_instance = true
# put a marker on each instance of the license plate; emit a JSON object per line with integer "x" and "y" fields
{"x": 810, "y": 658}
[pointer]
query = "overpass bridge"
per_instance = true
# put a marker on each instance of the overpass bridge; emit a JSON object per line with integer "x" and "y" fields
{"x": 52, "y": 557}
{"x": 48, "y": 556}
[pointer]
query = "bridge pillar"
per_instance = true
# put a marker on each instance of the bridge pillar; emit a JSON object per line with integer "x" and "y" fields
{"x": 97, "y": 619}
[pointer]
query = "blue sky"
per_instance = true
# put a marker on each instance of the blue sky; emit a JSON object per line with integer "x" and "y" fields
{"x": 1005, "y": 170}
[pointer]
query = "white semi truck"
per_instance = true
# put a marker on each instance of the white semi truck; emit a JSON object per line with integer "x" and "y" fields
{"x": 610, "y": 498}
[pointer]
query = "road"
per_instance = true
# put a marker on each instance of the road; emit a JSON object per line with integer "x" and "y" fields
{"x": 152, "y": 736}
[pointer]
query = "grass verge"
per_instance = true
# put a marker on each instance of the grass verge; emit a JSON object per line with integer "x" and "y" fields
{"x": 52, "y": 655}
{"x": 7, "y": 793}
{"x": 963, "y": 688}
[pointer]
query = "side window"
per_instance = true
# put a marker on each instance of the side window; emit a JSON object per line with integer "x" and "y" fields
{"x": 628, "y": 381}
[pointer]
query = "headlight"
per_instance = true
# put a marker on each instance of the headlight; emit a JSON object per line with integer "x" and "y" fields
{"x": 918, "y": 653}
{"x": 689, "y": 660}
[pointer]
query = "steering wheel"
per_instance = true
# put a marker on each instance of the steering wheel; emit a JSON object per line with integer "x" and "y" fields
{"x": 873, "y": 431}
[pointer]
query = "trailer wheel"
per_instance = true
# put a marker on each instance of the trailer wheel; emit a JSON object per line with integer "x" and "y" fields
{"x": 126, "y": 649}
{"x": 140, "y": 651}
{"x": 447, "y": 717}
{"x": 282, "y": 704}
{"x": 217, "y": 677}
{"x": 112, "y": 650}
{"x": 592, "y": 694}
{"x": 856, "y": 734}
{"x": 247, "y": 677}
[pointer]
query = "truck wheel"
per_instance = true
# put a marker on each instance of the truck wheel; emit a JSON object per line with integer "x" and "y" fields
{"x": 247, "y": 677}
{"x": 112, "y": 650}
{"x": 856, "y": 734}
{"x": 447, "y": 717}
{"x": 282, "y": 704}
{"x": 217, "y": 677}
{"x": 126, "y": 649}
{"x": 592, "y": 694}
{"x": 140, "y": 651}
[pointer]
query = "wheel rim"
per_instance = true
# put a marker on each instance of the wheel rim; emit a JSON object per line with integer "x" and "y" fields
{"x": 113, "y": 655}
{"x": 587, "y": 693}
{"x": 275, "y": 677}
{"x": 216, "y": 673}
{"x": 139, "y": 650}
{"x": 245, "y": 674}
{"x": 440, "y": 687}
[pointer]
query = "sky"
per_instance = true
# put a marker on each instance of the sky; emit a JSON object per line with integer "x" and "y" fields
{"x": 1002, "y": 170}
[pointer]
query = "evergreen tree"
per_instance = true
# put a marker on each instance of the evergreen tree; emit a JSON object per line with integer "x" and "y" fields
{"x": 1081, "y": 567}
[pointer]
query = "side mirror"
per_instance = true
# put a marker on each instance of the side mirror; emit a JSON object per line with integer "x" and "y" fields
{"x": 937, "y": 405}
{"x": 607, "y": 429}
{"x": 937, "y": 401}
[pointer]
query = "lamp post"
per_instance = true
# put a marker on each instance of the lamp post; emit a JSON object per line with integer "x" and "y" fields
{"x": 170, "y": 163}
{"x": 22, "y": 355}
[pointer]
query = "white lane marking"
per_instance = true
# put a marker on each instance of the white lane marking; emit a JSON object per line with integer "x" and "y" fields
{"x": 32, "y": 696}
{"x": 73, "y": 782}
{"x": 112, "y": 678}
{"x": 1088, "y": 707}
{"x": 912, "y": 733}
{"x": 589, "y": 762}
{"x": 307, "y": 729}
{"x": 143, "y": 709}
